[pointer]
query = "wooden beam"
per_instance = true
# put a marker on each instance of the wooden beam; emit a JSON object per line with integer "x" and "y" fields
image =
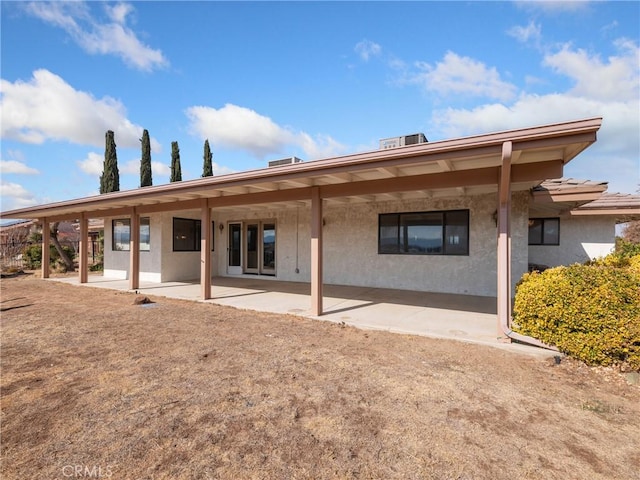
{"x": 446, "y": 165}
{"x": 205, "y": 249}
{"x": 134, "y": 250}
{"x": 483, "y": 176}
{"x": 46, "y": 240}
{"x": 84, "y": 250}
{"x": 504, "y": 242}
{"x": 316, "y": 252}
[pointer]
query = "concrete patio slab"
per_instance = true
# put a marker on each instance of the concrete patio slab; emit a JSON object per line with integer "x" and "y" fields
{"x": 459, "y": 317}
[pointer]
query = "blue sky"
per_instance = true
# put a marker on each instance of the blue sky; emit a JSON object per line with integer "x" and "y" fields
{"x": 268, "y": 80}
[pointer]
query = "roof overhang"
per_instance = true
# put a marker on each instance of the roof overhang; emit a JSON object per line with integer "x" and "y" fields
{"x": 462, "y": 166}
{"x": 623, "y": 207}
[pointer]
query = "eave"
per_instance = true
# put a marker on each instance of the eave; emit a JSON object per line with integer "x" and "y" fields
{"x": 443, "y": 168}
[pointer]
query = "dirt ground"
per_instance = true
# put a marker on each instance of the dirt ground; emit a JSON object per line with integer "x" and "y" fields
{"x": 94, "y": 386}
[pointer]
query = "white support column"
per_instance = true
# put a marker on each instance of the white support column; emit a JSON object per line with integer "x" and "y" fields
{"x": 316, "y": 252}
{"x": 84, "y": 250}
{"x": 134, "y": 250}
{"x": 504, "y": 241}
{"x": 46, "y": 240}
{"x": 205, "y": 249}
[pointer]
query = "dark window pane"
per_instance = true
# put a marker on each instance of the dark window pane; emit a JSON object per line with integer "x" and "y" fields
{"x": 269, "y": 246}
{"x": 388, "y": 234}
{"x": 535, "y": 231}
{"x": 456, "y": 234}
{"x": 121, "y": 229}
{"x": 424, "y": 233}
{"x": 421, "y": 232}
{"x": 145, "y": 234}
{"x": 551, "y": 231}
{"x": 186, "y": 235}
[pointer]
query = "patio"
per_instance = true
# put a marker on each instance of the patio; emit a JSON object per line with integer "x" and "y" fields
{"x": 459, "y": 317}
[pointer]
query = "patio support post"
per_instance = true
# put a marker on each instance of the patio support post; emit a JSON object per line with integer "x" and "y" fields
{"x": 316, "y": 252}
{"x": 504, "y": 242}
{"x": 83, "y": 249}
{"x": 205, "y": 249}
{"x": 134, "y": 250}
{"x": 46, "y": 239}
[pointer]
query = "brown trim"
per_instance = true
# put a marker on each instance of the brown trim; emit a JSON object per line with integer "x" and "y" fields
{"x": 84, "y": 250}
{"x": 622, "y": 212}
{"x": 487, "y": 147}
{"x": 206, "y": 233}
{"x": 504, "y": 242}
{"x": 134, "y": 250}
{"x": 46, "y": 240}
{"x": 316, "y": 252}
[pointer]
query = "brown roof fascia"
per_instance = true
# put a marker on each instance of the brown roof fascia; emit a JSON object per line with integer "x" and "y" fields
{"x": 532, "y": 137}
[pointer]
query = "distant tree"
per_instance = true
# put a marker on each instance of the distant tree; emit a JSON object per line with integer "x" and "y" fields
{"x": 145, "y": 161}
{"x": 176, "y": 171}
{"x": 68, "y": 261}
{"x": 631, "y": 232}
{"x": 110, "y": 178}
{"x": 207, "y": 169}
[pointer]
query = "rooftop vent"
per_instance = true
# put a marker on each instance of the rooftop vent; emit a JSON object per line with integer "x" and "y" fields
{"x": 403, "y": 141}
{"x": 285, "y": 161}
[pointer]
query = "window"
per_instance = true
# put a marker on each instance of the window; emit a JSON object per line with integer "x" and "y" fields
{"x": 424, "y": 233}
{"x": 186, "y": 235}
{"x": 544, "y": 231}
{"x": 121, "y": 234}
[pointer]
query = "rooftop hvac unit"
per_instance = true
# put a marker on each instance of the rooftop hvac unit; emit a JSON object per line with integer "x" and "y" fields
{"x": 284, "y": 161}
{"x": 403, "y": 141}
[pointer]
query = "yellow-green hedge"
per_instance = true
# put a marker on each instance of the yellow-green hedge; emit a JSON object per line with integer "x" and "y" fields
{"x": 590, "y": 312}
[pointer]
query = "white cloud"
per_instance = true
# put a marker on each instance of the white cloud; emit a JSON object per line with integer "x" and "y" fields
{"x": 531, "y": 32}
{"x": 13, "y": 166}
{"x": 15, "y": 196}
{"x": 456, "y": 75}
{"x": 48, "y": 108}
{"x": 241, "y": 128}
{"x": 93, "y": 164}
{"x": 160, "y": 169}
{"x": 607, "y": 89}
{"x": 132, "y": 167}
{"x": 113, "y": 37}
{"x": 367, "y": 49}
{"x": 553, "y": 6}
{"x": 615, "y": 80}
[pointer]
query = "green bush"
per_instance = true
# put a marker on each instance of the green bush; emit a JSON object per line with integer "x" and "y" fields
{"x": 590, "y": 312}
{"x": 32, "y": 255}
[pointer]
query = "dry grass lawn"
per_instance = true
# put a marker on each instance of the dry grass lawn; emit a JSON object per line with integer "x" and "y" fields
{"x": 94, "y": 386}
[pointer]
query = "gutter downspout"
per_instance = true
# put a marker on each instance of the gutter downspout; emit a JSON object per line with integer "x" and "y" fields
{"x": 504, "y": 255}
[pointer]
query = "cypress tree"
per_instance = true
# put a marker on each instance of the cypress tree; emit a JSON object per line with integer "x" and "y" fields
{"x": 176, "y": 171}
{"x": 207, "y": 169}
{"x": 145, "y": 161}
{"x": 110, "y": 178}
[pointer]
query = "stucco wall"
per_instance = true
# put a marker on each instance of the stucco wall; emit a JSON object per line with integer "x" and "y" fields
{"x": 351, "y": 246}
{"x": 581, "y": 239}
{"x": 117, "y": 262}
{"x": 160, "y": 263}
{"x": 182, "y": 266}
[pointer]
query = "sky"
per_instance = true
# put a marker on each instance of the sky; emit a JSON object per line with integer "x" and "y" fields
{"x": 268, "y": 80}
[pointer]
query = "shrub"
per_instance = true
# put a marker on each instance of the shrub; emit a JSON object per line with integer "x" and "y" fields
{"x": 591, "y": 312}
{"x": 32, "y": 255}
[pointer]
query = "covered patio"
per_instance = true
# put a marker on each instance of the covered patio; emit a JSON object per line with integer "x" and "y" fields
{"x": 465, "y": 318}
{"x": 497, "y": 166}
